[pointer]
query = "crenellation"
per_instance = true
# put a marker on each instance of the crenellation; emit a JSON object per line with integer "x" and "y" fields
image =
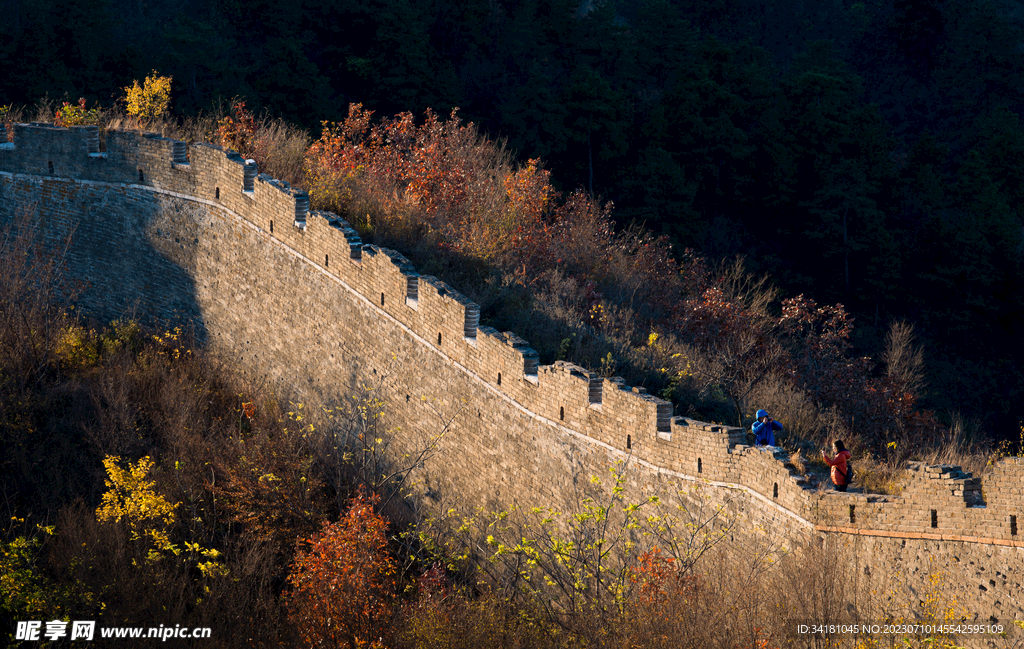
{"x": 504, "y": 355}
{"x": 156, "y": 160}
{"x": 185, "y": 256}
{"x": 445, "y": 313}
{"x": 564, "y": 396}
{"x": 179, "y": 152}
{"x": 382, "y": 277}
{"x": 45, "y": 150}
{"x": 301, "y": 208}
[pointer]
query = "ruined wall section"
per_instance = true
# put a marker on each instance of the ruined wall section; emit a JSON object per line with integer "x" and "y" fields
{"x": 940, "y": 503}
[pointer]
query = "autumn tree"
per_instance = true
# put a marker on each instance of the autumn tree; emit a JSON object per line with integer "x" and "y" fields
{"x": 342, "y": 585}
{"x": 150, "y": 99}
{"x": 726, "y": 319}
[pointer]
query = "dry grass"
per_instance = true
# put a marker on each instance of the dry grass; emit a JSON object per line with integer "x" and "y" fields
{"x": 280, "y": 147}
{"x": 798, "y": 461}
{"x": 877, "y": 477}
{"x": 962, "y": 444}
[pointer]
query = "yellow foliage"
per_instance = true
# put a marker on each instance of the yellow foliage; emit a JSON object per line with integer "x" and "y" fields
{"x": 131, "y": 496}
{"x": 21, "y": 588}
{"x": 149, "y": 100}
{"x": 77, "y": 347}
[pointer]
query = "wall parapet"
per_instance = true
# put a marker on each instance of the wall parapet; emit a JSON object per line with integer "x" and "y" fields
{"x": 939, "y": 501}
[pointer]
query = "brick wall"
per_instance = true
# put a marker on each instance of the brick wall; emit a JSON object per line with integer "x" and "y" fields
{"x": 196, "y": 235}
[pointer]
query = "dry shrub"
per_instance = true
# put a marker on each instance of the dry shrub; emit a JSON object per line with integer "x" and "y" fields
{"x": 560, "y": 323}
{"x": 267, "y": 482}
{"x": 156, "y": 390}
{"x": 790, "y": 405}
{"x": 962, "y": 444}
{"x": 43, "y": 111}
{"x": 112, "y": 569}
{"x": 187, "y": 129}
{"x": 551, "y": 269}
{"x": 798, "y": 461}
{"x": 9, "y": 116}
{"x": 446, "y": 619}
{"x": 877, "y": 477}
{"x": 31, "y": 283}
{"x": 726, "y": 601}
{"x": 277, "y": 147}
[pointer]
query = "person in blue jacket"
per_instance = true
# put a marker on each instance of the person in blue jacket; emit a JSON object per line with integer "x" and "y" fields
{"x": 764, "y": 429}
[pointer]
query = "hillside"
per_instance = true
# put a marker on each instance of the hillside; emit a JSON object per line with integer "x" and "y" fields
{"x": 200, "y": 244}
{"x": 861, "y": 153}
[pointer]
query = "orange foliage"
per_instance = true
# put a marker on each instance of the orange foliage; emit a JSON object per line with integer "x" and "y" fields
{"x": 241, "y": 132}
{"x": 657, "y": 581}
{"x": 237, "y": 132}
{"x": 343, "y": 586}
{"x": 461, "y": 192}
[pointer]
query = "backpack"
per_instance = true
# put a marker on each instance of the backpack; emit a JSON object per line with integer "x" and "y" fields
{"x": 849, "y": 472}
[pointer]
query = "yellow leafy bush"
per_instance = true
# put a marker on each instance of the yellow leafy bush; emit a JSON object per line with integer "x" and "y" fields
{"x": 149, "y": 100}
{"x": 21, "y": 587}
{"x": 77, "y": 347}
{"x": 131, "y": 496}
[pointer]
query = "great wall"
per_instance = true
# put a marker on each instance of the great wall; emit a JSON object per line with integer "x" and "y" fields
{"x": 194, "y": 233}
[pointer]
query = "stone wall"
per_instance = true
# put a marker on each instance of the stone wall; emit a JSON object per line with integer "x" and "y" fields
{"x": 195, "y": 234}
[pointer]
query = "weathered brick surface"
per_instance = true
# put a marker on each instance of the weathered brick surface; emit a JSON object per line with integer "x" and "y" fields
{"x": 193, "y": 235}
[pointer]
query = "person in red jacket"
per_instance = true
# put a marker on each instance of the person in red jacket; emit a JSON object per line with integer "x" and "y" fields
{"x": 839, "y": 464}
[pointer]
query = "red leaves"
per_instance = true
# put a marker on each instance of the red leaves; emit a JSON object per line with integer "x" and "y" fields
{"x": 343, "y": 585}
{"x": 435, "y": 588}
{"x": 75, "y": 114}
{"x": 652, "y": 578}
{"x": 710, "y": 317}
{"x": 826, "y": 329}
{"x": 239, "y": 132}
{"x": 820, "y": 338}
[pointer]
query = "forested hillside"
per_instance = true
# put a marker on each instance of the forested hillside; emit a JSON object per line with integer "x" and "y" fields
{"x": 869, "y": 153}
